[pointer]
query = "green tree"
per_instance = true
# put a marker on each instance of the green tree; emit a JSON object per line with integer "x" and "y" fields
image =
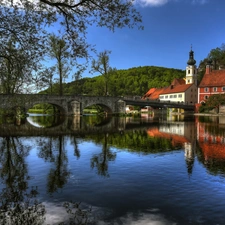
{"x": 101, "y": 65}
{"x": 215, "y": 101}
{"x": 14, "y": 69}
{"x": 21, "y": 47}
{"x": 218, "y": 56}
{"x": 59, "y": 50}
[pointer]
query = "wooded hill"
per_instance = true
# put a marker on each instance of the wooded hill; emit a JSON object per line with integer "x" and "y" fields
{"x": 133, "y": 81}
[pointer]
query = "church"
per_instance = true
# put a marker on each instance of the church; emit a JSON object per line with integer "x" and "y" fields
{"x": 182, "y": 90}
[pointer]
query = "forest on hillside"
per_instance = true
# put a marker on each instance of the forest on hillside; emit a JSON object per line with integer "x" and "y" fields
{"x": 133, "y": 81}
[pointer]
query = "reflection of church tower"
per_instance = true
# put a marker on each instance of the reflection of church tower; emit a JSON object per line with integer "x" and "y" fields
{"x": 191, "y": 69}
{"x": 189, "y": 156}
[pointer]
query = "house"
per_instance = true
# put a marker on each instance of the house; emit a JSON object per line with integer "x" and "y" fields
{"x": 180, "y": 90}
{"x": 213, "y": 82}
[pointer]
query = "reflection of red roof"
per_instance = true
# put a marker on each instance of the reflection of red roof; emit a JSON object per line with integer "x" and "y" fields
{"x": 213, "y": 150}
{"x": 212, "y": 146}
{"x": 176, "y": 88}
{"x": 215, "y": 78}
{"x": 175, "y": 139}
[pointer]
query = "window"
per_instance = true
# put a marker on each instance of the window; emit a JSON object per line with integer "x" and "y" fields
{"x": 188, "y": 71}
{"x": 161, "y": 97}
{"x": 206, "y": 89}
{"x": 171, "y": 96}
{"x": 175, "y": 96}
{"x": 206, "y": 97}
{"x": 180, "y": 96}
{"x": 223, "y": 88}
{"x": 215, "y": 89}
{"x": 166, "y": 96}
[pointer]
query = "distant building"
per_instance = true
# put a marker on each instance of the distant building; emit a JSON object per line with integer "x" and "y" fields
{"x": 180, "y": 90}
{"x": 213, "y": 82}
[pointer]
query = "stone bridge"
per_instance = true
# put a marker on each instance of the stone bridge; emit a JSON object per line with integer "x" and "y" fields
{"x": 67, "y": 104}
{"x": 74, "y": 105}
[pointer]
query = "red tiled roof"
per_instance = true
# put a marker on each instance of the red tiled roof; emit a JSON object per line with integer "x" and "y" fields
{"x": 156, "y": 93}
{"x": 153, "y": 93}
{"x": 215, "y": 78}
{"x": 150, "y": 91}
{"x": 177, "y": 81}
{"x": 176, "y": 88}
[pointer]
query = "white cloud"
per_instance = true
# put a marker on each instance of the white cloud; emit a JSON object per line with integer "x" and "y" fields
{"x": 199, "y": 1}
{"x": 163, "y": 2}
{"x": 152, "y": 2}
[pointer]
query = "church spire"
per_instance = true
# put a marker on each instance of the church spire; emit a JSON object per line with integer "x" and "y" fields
{"x": 191, "y": 70}
{"x": 191, "y": 60}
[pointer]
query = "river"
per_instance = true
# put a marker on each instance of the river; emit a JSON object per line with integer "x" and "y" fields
{"x": 131, "y": 171}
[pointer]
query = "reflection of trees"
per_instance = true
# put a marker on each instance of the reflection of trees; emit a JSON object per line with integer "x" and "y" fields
{"x": 46, "y": 149}
{"x": 75, "y": 144}
{"x": 14, "y": 169}
{"x": 101, "y": 160}
{"x": 53, "y": 150}
{"x": 137, "y": 141}
{"x": 16, "y": 205}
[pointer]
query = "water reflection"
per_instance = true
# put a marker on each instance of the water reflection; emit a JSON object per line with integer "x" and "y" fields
{"x": 155, "y": 170}
{"x": 101, "y": 160}
{"x": 44, "y": 121}
{"x": 17, "y": 202}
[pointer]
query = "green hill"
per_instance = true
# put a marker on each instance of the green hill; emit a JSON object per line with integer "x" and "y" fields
{"x": 133, "y": 81}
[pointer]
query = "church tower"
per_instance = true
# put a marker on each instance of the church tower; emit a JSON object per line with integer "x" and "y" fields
{"x": 191, "y": 69}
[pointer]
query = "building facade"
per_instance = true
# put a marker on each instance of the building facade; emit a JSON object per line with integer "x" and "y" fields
{"x": 213, "y": 82}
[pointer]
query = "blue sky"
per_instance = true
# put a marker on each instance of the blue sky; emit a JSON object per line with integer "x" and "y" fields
{"x": 170, "y": 28}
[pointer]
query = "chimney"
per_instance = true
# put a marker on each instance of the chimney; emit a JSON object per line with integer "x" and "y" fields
{"x": 208, "y": 66}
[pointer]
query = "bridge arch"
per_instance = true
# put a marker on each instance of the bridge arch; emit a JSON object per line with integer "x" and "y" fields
{"x": 60, "y": 109}
{"x": 103, "y": 102}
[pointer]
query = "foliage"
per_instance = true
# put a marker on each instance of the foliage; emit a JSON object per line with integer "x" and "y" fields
{"x": 101, "y": 65}
{"x": 21, "y": 47}
{"x": 217, "y": 56}
{"x": 213, "y": 102}
{"x": 73, "y": 17}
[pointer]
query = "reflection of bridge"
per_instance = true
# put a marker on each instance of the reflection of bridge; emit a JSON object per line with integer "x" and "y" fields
{"x": 72, "y": 125}
{"x": 70, "y": 104}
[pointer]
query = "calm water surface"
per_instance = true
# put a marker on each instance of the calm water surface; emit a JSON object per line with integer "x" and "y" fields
{"x": 131, "y": 171}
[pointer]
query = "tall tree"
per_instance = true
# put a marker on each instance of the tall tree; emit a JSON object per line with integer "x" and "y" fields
{"x": 22, "y": 40}
{"x": 101, "y": 65}
{"x": 59, "y": 50}
{"x": 15, "y": 69}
